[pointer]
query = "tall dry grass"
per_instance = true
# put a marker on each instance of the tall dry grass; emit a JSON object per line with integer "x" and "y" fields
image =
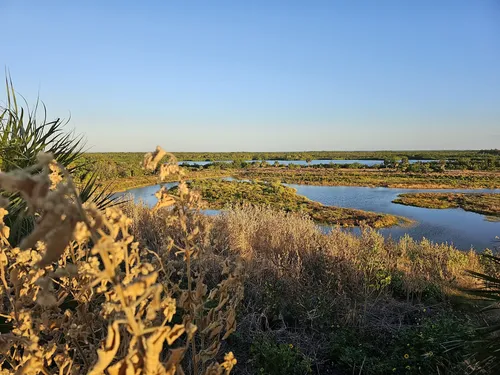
{"x": 300, "y": 283}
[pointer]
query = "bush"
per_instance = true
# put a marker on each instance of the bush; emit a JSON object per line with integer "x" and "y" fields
{"x": 424, "y": 347}
{"x": 271, "y": 358}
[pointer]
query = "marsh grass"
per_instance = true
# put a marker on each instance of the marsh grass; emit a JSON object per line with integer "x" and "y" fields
{"x": 343, "y": 299}
{"x": 486, "y": 204}
{"x": 222, "y": 193}
{"x": 376, "y": 178}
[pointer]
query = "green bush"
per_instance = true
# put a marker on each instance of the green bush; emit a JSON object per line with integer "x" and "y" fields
{"x": 422, "y": 348}
{"x": 271, "y": 358}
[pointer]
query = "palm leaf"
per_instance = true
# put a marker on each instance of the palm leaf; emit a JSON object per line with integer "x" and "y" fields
{"x": 24, "y": 133}
{"x": 101, "y": 195}
{"x": 487, "y": 342}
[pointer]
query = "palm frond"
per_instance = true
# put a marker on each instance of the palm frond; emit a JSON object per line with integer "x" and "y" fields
{"x": 101, "y": 195}
{"x": 487, "y": 341}
{"x": 24, "y": 133}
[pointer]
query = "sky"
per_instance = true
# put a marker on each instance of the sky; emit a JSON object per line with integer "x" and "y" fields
{"x": 261, "y": 75}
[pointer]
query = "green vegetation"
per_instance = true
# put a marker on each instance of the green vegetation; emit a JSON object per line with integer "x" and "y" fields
{"x": 219, "y": 194}
{"x": 375, "y": 178}
{"x": 279, "y": 359}
{"x": 487, "y": 345}
{"x": 467, "y": 155}
{"x": 124, "y": 171}
{"x": 487, "y": 204}
{"x": 123, "y": 184}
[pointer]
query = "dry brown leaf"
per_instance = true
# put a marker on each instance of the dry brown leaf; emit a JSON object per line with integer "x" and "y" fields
{"x": 108, "y": 352}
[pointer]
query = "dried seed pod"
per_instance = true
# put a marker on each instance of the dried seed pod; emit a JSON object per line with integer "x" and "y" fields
{"x": 170, "y": 169}
{"x": 55, "y": 175}
{"x": 151, "y": 159}
{"x": 56, "y": 241}
{"x": 164, "y": 199}
{"x": 4, "y": 229}
{"x": 229, "y": 362}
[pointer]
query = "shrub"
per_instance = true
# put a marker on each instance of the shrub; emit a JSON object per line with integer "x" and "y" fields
{"x": 271, "y": 358}
{"x": 424, "y": 347}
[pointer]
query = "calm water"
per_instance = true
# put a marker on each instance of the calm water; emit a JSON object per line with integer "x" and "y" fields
{"x": 454, "y": 226}
{"x": 303, "y": 162}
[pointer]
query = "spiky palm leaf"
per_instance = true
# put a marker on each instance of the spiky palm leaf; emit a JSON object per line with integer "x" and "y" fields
{"x": 101, "y": 195}
{"x": 487, "y": 342}
{"x": 23, "y": 134}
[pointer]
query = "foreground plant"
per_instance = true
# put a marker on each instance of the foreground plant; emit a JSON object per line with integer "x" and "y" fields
{"x": 487, "y": 341}
{"x": 80, "y": 296}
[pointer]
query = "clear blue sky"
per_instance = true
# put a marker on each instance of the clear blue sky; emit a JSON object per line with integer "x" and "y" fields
{"x": 262, "y": 75}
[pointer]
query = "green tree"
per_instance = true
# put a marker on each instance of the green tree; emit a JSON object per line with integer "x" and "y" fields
{"x": 308, "y": 158}
{"x": 405, "y": 164}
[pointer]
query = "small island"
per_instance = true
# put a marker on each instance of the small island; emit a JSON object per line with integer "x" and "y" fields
{"x": 483, "y": 203}
{"x": 220, "y": 194}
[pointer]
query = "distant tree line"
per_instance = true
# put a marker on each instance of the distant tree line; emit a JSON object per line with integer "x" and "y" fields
{"x": 128, "y": 165}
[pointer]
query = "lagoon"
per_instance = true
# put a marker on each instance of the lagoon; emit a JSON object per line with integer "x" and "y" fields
{"x": 460, "y": 228}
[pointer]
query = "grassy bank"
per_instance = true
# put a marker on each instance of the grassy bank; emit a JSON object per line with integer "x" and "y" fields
{"x": 220, "y": 194}
{"x": 336, "y": 303}
{"x": 126, "y": 183}
{"x": 487, "y": 204}
{"x": 376, "y": 178}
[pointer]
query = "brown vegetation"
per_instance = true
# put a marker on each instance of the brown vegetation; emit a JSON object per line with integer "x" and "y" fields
{"x": 306, "y": 288}
{"x": 81, "y": 296}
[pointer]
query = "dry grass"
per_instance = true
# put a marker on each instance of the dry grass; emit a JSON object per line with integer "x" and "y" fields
{"x": 377, "y": 178}
{"x": 81, "y": 296}
{"x": 300, "y": 282}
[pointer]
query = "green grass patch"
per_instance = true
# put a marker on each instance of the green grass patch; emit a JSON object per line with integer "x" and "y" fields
{"x": 220, "y": 194}
{"x": 486, "y": 204}
{"x": 375, "y": 178}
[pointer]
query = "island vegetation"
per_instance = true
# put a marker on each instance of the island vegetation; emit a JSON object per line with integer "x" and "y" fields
{"x": 376, "y": 178}
{"x": 464, "y": 157}
{"x": 487, "y": 204}
{"x": 223, "y": 194}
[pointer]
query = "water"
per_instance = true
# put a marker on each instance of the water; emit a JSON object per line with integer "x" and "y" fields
{"x": 190, "y": 162}
{"x": 454, "y": 226}
{"x": 461, "y": 228}
{"x": 145, "y": 194}
{"x": 368, "y": 163}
